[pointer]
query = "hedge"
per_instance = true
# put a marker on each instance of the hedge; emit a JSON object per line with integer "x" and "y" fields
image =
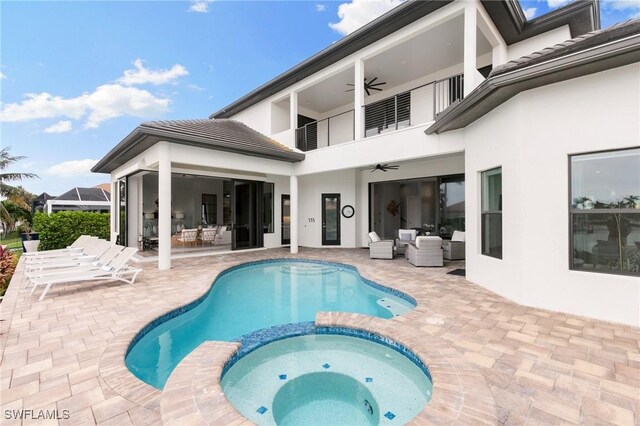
{"x": 58, "y": 230}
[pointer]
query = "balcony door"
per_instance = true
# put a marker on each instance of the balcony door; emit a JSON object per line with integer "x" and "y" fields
{"x": 330, "y": 219}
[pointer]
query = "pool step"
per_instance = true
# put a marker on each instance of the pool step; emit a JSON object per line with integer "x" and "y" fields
{"x": 307, "y": 269}
{"x": 392, "y": 306}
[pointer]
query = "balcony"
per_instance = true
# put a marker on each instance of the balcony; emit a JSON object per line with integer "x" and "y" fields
{"x": 416, "y": 106}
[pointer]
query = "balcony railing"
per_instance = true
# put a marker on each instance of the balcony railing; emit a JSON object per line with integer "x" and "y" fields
{"x": 413, "y": 106}
{"x": 418, "y": 105}
{"x": 330, "y": 131}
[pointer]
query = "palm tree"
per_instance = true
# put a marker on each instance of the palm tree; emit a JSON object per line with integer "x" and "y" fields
{"x": 16, "y": 194}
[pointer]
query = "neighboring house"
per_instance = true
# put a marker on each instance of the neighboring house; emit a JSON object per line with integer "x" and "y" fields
{"x": 40, "y": 202}
{"x": 85, "y": 199}
{"x": 536, "y": 157}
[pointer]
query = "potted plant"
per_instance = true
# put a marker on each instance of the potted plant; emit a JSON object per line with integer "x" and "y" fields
{"x": 30, "y": 239}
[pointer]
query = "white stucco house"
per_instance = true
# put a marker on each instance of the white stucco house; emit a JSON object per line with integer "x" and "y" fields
{"x": 525, "y": 134}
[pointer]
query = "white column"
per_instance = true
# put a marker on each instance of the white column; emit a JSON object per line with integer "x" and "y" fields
{"x": 470, "y": 28}
{"x": 499, "y": 54}
{"x": 293, "y": 110}
{"x": 164, "y": 206}
{"x": 293, "y": 223}
{"x": 358, "y": 100}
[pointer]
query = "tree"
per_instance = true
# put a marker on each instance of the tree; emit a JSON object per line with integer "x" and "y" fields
{"x": 15, "y": 194}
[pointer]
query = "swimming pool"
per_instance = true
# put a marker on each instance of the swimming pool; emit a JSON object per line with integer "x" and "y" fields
{"x": 253, "y": 297}
{"x": 327, "y": 379}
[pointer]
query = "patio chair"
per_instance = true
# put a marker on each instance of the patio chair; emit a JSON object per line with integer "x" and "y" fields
{"x": 189, "y": 236}
{"x": 454, "y": 249}
{"x": 380, "y": 249}
{"x": 427, "y": 251}
{"x": 94, "y": 249}
{"x": 219, "y": 235}
{"x": 208, "y": 235}
{"x": 117, "y": 270}
{"x": 405, "y": 237}
{"x": 75, "y": 264}
{"x": 77, "y": 246}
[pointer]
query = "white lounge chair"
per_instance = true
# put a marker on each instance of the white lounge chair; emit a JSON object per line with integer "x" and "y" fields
{"x": 454, "y": 249}
{"x": 188, "y": 236}
{"x": 118, "y": 270}
{"x": 94, "y": 250}
{"x": 75, "y": 264}
{"x": 208, "y": 235}
{"x": 77, "y": 246}
{"x": 219, "y": 235}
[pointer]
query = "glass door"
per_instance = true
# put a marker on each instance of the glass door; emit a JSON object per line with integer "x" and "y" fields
{"x": 247, "y": 215}
{"x": 330, "y": 219}
{"x": 122, "y": 212}
{"x": 285, "y": 219}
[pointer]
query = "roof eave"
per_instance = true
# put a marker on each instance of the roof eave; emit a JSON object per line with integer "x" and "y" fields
{"x": 494, "y": 91}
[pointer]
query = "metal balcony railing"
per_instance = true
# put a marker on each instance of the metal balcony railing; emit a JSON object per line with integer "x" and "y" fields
{"x": 410, "y": 107}
{"x": 330, "y": 131}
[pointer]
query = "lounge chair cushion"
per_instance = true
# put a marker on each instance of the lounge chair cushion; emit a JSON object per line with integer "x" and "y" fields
{"x": 458, "y": 236}
{"x": 373, "y": 237}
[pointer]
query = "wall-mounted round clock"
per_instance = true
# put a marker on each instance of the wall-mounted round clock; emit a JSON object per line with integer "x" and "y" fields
{"x": 348, "y": 211}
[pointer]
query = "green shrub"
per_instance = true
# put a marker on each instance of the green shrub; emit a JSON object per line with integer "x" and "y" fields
{"x": 60, "y": 229}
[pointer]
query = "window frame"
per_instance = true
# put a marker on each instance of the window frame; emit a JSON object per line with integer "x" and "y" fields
{"x": 490, "y": 212}
{"x": 573, "y": 211}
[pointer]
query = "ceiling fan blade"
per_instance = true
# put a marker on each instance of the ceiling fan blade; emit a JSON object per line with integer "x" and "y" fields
{"x": 367, "y": 90}
{"x": 378, "y": 84}
{"x": 371, "y": 82}
{"x": 375, "y": 88}
{"x": 349, "y": 90}
{"x": 349, "y": 84}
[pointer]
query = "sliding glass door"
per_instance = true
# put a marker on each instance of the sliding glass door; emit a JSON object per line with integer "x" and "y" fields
{"x": 286, "y": 219}
{"x": 247, "y": 215}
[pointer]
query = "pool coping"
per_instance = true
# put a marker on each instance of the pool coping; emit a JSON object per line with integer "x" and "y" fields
{"x": 455, "y": 400}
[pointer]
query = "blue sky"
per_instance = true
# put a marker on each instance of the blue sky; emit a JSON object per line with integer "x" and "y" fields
{"x": 77, "y": 77}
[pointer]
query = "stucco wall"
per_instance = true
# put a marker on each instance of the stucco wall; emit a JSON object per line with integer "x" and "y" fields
{"x": 531, "y": 137}
{"x": 538, "y": 42}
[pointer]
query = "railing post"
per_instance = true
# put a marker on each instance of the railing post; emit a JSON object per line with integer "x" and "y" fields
{"x": 435, "y": 86}
{"x": 328, "y": 130}
{"x": 395, "y": 102}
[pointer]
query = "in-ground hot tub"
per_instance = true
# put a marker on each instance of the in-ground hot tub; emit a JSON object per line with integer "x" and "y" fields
{"x": 329, "y": 379}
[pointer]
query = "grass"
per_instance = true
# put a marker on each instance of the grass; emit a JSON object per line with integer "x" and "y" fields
{"x": 12, "y": 240}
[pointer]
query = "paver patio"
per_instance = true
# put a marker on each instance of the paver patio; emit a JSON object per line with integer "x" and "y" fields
{"x": 541, "y": 367}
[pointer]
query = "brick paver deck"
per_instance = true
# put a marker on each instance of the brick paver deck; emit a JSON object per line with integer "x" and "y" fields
{"x": 540, "y": 367}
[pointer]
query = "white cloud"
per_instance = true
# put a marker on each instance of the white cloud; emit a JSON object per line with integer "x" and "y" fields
{"x": 196, "y": 88}
{"x": 142, "y": 75}
{"x": 530, "y": 12}
{"x": 200, "y": 6}
{"x": 2, "y": 76}
{"x": 621, "y": 4}
{"x": 105, "y": 102}
{"x": 553, "y": 4}
{"x": 72, "y": 168}
{"x": 357, "y": 13}
{"x": 59, "y": 127}
{"x": 320, "y": 7}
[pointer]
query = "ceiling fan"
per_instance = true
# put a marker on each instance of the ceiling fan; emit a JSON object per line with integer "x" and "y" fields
{"x": 384, "y": 167}
{"x": 368, "y": 85}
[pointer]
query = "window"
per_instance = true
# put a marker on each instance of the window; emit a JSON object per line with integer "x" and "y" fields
{"x": 209, "y": 209}
{"x": 227, "y": 187}
{"x": 605, "y": 212}
{"x": 492, "y": 213}
{"x": 267, "y": 209}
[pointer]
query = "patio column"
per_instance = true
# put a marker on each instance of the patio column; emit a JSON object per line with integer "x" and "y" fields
{"x": 293, "y": 220}
{"x": 470, "y": 66}
{"x": 114, "y": 210}
{"x": 358, "y": 101}
{"x": 164, "y": 206}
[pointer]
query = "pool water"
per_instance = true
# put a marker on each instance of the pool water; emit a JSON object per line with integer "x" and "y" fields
{"x": 326, "y": 380}
{"x": 254, "y": 297}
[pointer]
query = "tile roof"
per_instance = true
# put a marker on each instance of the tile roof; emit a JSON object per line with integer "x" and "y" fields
{"x": 585, "y": 41}
{"x": 219, "y": 134}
